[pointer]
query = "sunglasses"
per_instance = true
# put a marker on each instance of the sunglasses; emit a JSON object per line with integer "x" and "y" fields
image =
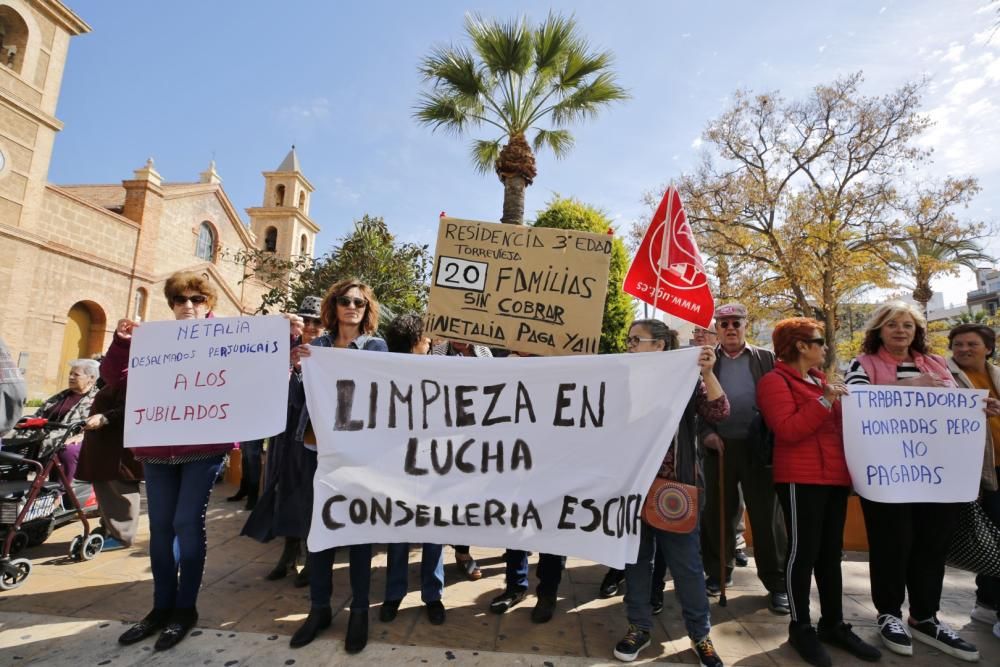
{"x": 735, "y": 324}
{"x": 196, "y": 299}
{"x": 315, "y": 321}
{"x": 815, "y": 341}
{"x": 635, "y": 340}
{"x": 346, "y": 301}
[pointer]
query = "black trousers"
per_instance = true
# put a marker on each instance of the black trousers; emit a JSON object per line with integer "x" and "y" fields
{"x": 814, "y": 518}
{"x": 907, "y": 546}
{"x": 769, "y": 537}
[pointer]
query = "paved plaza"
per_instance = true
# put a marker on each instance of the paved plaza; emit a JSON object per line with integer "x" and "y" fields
{"x": 70, "y": 613}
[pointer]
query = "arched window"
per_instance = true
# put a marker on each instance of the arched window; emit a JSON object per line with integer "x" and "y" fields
{"x": 206, "y": 242}
{"x": 141, "y": 298}
{"x": 271, "y": 239}
{"x": 303, "y": 245}
{"x": 279, "y": 195}
{"x": 302, "y": 201}
{"x": 13, "y": 39}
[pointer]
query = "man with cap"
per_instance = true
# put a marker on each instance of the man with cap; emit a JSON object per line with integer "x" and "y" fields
{"x": 739, "y": 366}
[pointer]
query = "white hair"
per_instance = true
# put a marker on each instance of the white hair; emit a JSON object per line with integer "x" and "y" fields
{"x": 89, "y": 366}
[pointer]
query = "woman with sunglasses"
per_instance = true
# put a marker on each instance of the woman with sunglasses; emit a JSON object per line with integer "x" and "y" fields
{"x": 179, "y": 480}
{"x": 350, "y": 315}
{"x": 812, "y": 483}
{"x": 285, "y": 505}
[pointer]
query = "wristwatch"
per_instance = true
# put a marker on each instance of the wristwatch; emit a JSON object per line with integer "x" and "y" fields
{"x": 825, "y": 403}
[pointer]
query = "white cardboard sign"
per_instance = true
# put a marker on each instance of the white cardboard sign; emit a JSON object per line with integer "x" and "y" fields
{"x": 207, "y": 381}
{"x": 542, "y": 454}
{"x": 915, "y": 444}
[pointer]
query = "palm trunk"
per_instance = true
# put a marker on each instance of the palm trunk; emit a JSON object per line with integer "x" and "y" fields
{"x": 513, "y": 200}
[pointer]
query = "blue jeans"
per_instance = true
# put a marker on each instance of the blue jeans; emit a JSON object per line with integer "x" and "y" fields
{"x": 431, "y": 571}
{"x": 320, "y": 564}
{"x": 549, "y": 571}
{"x": 988, "y": 588}
{"x": 682, "y": 553}
{"x": 177, "y": 495}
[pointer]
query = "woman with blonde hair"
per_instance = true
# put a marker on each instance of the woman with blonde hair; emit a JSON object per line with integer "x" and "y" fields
{"x": 908, "y": 542}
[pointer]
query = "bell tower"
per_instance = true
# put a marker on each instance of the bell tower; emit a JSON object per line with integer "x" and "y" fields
{"x": 282, "y": 224}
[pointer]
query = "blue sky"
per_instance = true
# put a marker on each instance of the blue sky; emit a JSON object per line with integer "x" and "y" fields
{"x": 241, "y": 81}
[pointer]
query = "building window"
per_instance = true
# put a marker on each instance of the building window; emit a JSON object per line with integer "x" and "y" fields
{"x": 303, "y": 245}
{"x": 271, "y": 240}
{"x": 139, "y": 312}
{"x": 13, "y": 39}
{"x": 206, "y": 242}
{"x": 279, "y": 195}
{"x": 302, "y": 201}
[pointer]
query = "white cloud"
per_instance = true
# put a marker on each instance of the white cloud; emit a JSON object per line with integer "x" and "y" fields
{"x": 685, "y": 35}
{"x": 696, "y": 144}
{"x": 822, "y": 48}
{"x": 966, "y": 87}
{"x": 954, "y": 53}
{"x": 882, "y": 10}
{"x": 316, "y": 109}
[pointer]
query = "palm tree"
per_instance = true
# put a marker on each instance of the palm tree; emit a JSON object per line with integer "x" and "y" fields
{"x": 925, "y": 258}
{"x": 976, "y": 317}
{"x": 514, "y": 79}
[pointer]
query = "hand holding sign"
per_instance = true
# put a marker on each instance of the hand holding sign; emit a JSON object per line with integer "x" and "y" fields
{"x": 125, "y": 328}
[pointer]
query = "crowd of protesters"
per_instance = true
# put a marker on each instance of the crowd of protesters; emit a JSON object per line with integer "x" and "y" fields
{"x": 795, "y": 495}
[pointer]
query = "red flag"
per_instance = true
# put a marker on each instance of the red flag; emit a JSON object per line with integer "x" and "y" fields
{"x": 667, "y": 271}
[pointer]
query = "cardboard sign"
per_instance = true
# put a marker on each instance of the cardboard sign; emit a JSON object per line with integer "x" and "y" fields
{"x": 541, "y": 454}
{"x": 193, "y": 382}
{"x": 915, "y": 444}
{"x": 667, "y": 271}
{"x": 528, "y": 289}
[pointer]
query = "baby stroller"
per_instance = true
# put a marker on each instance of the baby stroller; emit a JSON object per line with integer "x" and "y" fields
{"x": 30, "y": 509}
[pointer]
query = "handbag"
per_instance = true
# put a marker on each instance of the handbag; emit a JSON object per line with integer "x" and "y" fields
{"x": 975, "y": 547}
{"x": 671, "y": 506}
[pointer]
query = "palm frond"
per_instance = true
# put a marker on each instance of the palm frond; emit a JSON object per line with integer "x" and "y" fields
{"x": 587, "y": 100}
{"x": 560, "y": 142}
{"x": 485, "y": 154}
{"x": 450, "y": 112}
{"x": 504, "y": 48}
{"x": 455, "y": 70}
{"x": 578, "y": 65}
{"x": 551, "y": 40}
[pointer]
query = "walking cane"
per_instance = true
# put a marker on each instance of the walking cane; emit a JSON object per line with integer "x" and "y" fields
{"x": 722, "y": 530}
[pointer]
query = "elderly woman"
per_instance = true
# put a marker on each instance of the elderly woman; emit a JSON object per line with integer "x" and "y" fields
{"x": 179, "y": 480}
{"x": 908, "y": 542}
{"x": 812, "y": 482}
{"x": 350, "y": 315}
{"x": 682, "y": 551}
{"x": 285, "y": 507}
{"x": 971, "y": 346}
{"x": 73, "y": 404}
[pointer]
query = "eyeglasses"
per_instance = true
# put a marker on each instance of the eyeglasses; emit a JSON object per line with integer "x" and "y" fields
{"x": 815, "y": 341}
{"x": 346, "y": 301}
{"x": 735, "y": 324}
{"x": 635, "y": 340}
{"x": 195, "y": 299}
{"x": 315, "y": 321}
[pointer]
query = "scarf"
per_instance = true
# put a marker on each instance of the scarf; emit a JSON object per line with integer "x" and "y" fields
{"x": 881, "y": 366}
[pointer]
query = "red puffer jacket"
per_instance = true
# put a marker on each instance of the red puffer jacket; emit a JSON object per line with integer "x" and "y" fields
{"x": 808, "y": 438}
{"x": 114, "y": 370}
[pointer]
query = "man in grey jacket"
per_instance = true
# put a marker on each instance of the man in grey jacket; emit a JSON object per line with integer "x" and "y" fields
{"x": 739, "y": 367}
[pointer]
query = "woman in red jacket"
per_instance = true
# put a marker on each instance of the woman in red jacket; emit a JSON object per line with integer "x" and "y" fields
{"x": 812, "y": 482}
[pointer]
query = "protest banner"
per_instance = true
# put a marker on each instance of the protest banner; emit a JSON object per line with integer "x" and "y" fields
{"x": 667, "y": 271}
{"x": 529, "y": 289}
{"x": 452, "y": 450}
{"x": 204, "y": 381}
{"x": 914, "y": 444}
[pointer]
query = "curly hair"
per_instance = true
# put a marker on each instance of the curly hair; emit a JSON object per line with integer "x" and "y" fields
{"x": 790, "y": 331}
{"x": 886, "y": 312}
{"x": 328, "y": 312}
{"x": 404, "y": 332}
{"x": 986, "y": 333}
{"x": 659, "y": 331}
{"x": 184, "y": 281}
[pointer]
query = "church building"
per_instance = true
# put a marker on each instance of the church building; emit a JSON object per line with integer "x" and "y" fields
{"x": 76, "y": 258}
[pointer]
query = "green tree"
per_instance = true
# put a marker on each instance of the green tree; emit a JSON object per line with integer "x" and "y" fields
{"x": 976, "y": 317}
{"x": 569, "y": 213}
{"x": 934, "y": 241}
{"x": 515, "y": 79}
{"x": 397, "y": 272}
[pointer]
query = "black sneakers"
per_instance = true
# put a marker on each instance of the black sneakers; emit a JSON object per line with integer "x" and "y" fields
{"x": 935, "y": 633}
{"x": 506, "y": 600}
{"x": 712, "y": 586}
{"x": 612, "y": 583}
{"x": 843, "y": 636}
{"x": 894, "y": 634}
{"x": 777, "y": 602}
{"x": 656, "y": 601}
{"x": 805, "y": 641}
{"x": 634, "y": 641}
{"x": 706, "y": 653}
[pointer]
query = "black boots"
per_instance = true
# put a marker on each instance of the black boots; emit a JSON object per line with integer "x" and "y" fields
{"x": 318, "y": 619}
{"x": 289, "y": 556}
